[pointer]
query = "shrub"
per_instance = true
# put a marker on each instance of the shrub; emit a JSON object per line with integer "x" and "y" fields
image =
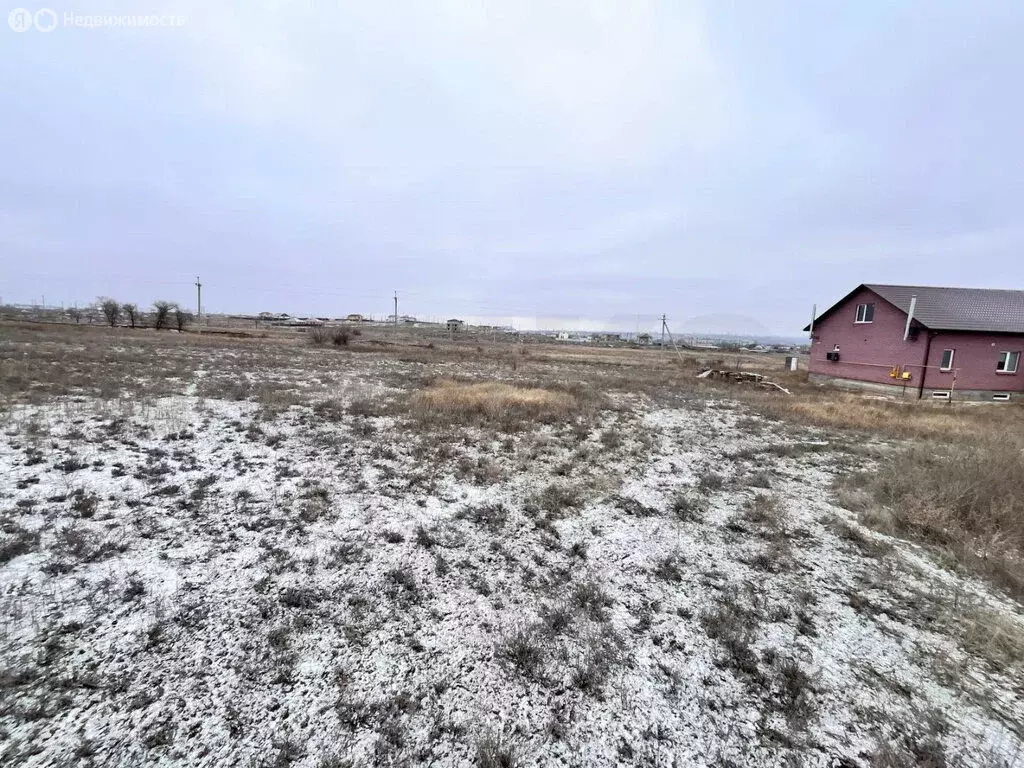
{"x": 132, "y": 313}
{"x": 182, "y": 317}
{"x": 668, "y": 568}
{"x": 401, "y": 586}
{"x": 795, "y": 688}
{"x": 765, "y": 509}
{"x": 491, "y": 516}
{"x": 80, "y": 544}
{"x": 340, "y": 337}
{"x": 557, "y": 499}
{"x": 161, "y": 313}
{"x": 632, "y": 506}
{"x": 688, "y": 507}
{"x": 17, "y": 541}
{"x": 317, "y": 336}
{"x": 392, "y": 536}
{"x": 111, "y": 310}
{"x": 300, "y": 597}
{"x": 709, "y": 482}
{"x": 425, "y": 537}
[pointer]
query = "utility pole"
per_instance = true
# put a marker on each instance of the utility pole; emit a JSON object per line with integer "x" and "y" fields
{"x": 664, "y": 329}
{"x": 199, "y": 305}
{"x": 396, "y": 315}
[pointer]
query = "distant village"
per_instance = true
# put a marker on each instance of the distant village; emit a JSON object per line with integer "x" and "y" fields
{"x": 456, "y": 325}
{"x": 92, "y": 314}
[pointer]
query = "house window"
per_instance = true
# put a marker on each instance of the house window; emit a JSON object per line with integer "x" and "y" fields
{"x": 947, "y": 360}
{"x": 1008, "y": 362}
{"x": 865, "y": 313}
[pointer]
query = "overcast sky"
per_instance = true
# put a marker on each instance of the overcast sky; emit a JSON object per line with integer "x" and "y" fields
{"x": 559, "y": 163}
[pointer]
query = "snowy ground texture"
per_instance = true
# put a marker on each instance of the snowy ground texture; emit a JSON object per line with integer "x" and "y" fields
{"x": 214, "y": 576}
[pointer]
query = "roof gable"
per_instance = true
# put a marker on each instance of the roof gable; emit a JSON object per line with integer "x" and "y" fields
{"x": 952, "y": 309}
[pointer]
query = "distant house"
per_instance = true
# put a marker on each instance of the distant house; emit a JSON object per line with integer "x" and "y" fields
{"x": 354, "y": 318}
{"x": 921, "y": 341}
{"x": 455, "y": 324}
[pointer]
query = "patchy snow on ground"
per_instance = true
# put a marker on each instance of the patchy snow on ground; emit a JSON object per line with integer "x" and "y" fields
{"x": 193, "y": 580}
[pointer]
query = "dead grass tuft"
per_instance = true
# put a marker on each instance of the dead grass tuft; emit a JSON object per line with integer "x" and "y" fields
{"x": 523, "y": 650}
{"x": 997, "y": 637}
{"x": 493, "y": 751}
{"x": 501, "y": 403}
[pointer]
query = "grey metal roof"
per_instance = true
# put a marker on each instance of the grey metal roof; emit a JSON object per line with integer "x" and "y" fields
{"x": 959, "y": 309}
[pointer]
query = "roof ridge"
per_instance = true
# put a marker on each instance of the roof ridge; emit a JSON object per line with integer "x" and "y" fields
{"x": 942, "y": 287}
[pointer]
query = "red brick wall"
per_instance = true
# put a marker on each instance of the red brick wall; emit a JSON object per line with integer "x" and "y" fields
{"x": 974, "y": 362}
{"x": 869, "y": 351}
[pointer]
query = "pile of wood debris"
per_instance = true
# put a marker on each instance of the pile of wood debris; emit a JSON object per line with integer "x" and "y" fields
{"x": 743, "y": 377}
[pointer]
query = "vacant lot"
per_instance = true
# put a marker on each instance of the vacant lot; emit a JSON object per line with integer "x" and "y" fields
{"x": 234, "y": 552}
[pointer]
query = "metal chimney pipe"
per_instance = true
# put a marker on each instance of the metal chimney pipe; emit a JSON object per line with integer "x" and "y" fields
{"x": 910, "y": 316}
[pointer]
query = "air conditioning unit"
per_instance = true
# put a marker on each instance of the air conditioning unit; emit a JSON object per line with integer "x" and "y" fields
{"x": 833, "y": 356}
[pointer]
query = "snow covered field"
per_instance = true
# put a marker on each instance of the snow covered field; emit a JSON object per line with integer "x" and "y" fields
{"x": 228, "y": 557}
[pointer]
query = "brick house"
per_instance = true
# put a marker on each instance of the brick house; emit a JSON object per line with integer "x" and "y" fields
{"x": 920, "y": 341}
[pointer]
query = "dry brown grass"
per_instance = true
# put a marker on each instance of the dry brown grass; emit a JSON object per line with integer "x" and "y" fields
{"x": 954, "y": 481}
{"x": 497, "y": 402}
{"x": 993, "y": 636}
{"x": 967, "y": 499}
{"x": 887, "y": 418}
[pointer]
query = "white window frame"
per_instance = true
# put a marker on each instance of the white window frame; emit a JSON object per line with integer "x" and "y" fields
{"x": 1001, "y": 397}
{"x": 862, "y": 315}
{"x": 1015, "y": 356}
{"x": 952, "y": 354}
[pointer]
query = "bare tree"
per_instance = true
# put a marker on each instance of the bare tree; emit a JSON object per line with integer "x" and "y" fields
{"x": 132, "y": 313}
{"x": 182, "y": 317}
{"x": 111, "y": 310}
{"x": 75, "y": 314}
{"x": 162, "y": 313}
